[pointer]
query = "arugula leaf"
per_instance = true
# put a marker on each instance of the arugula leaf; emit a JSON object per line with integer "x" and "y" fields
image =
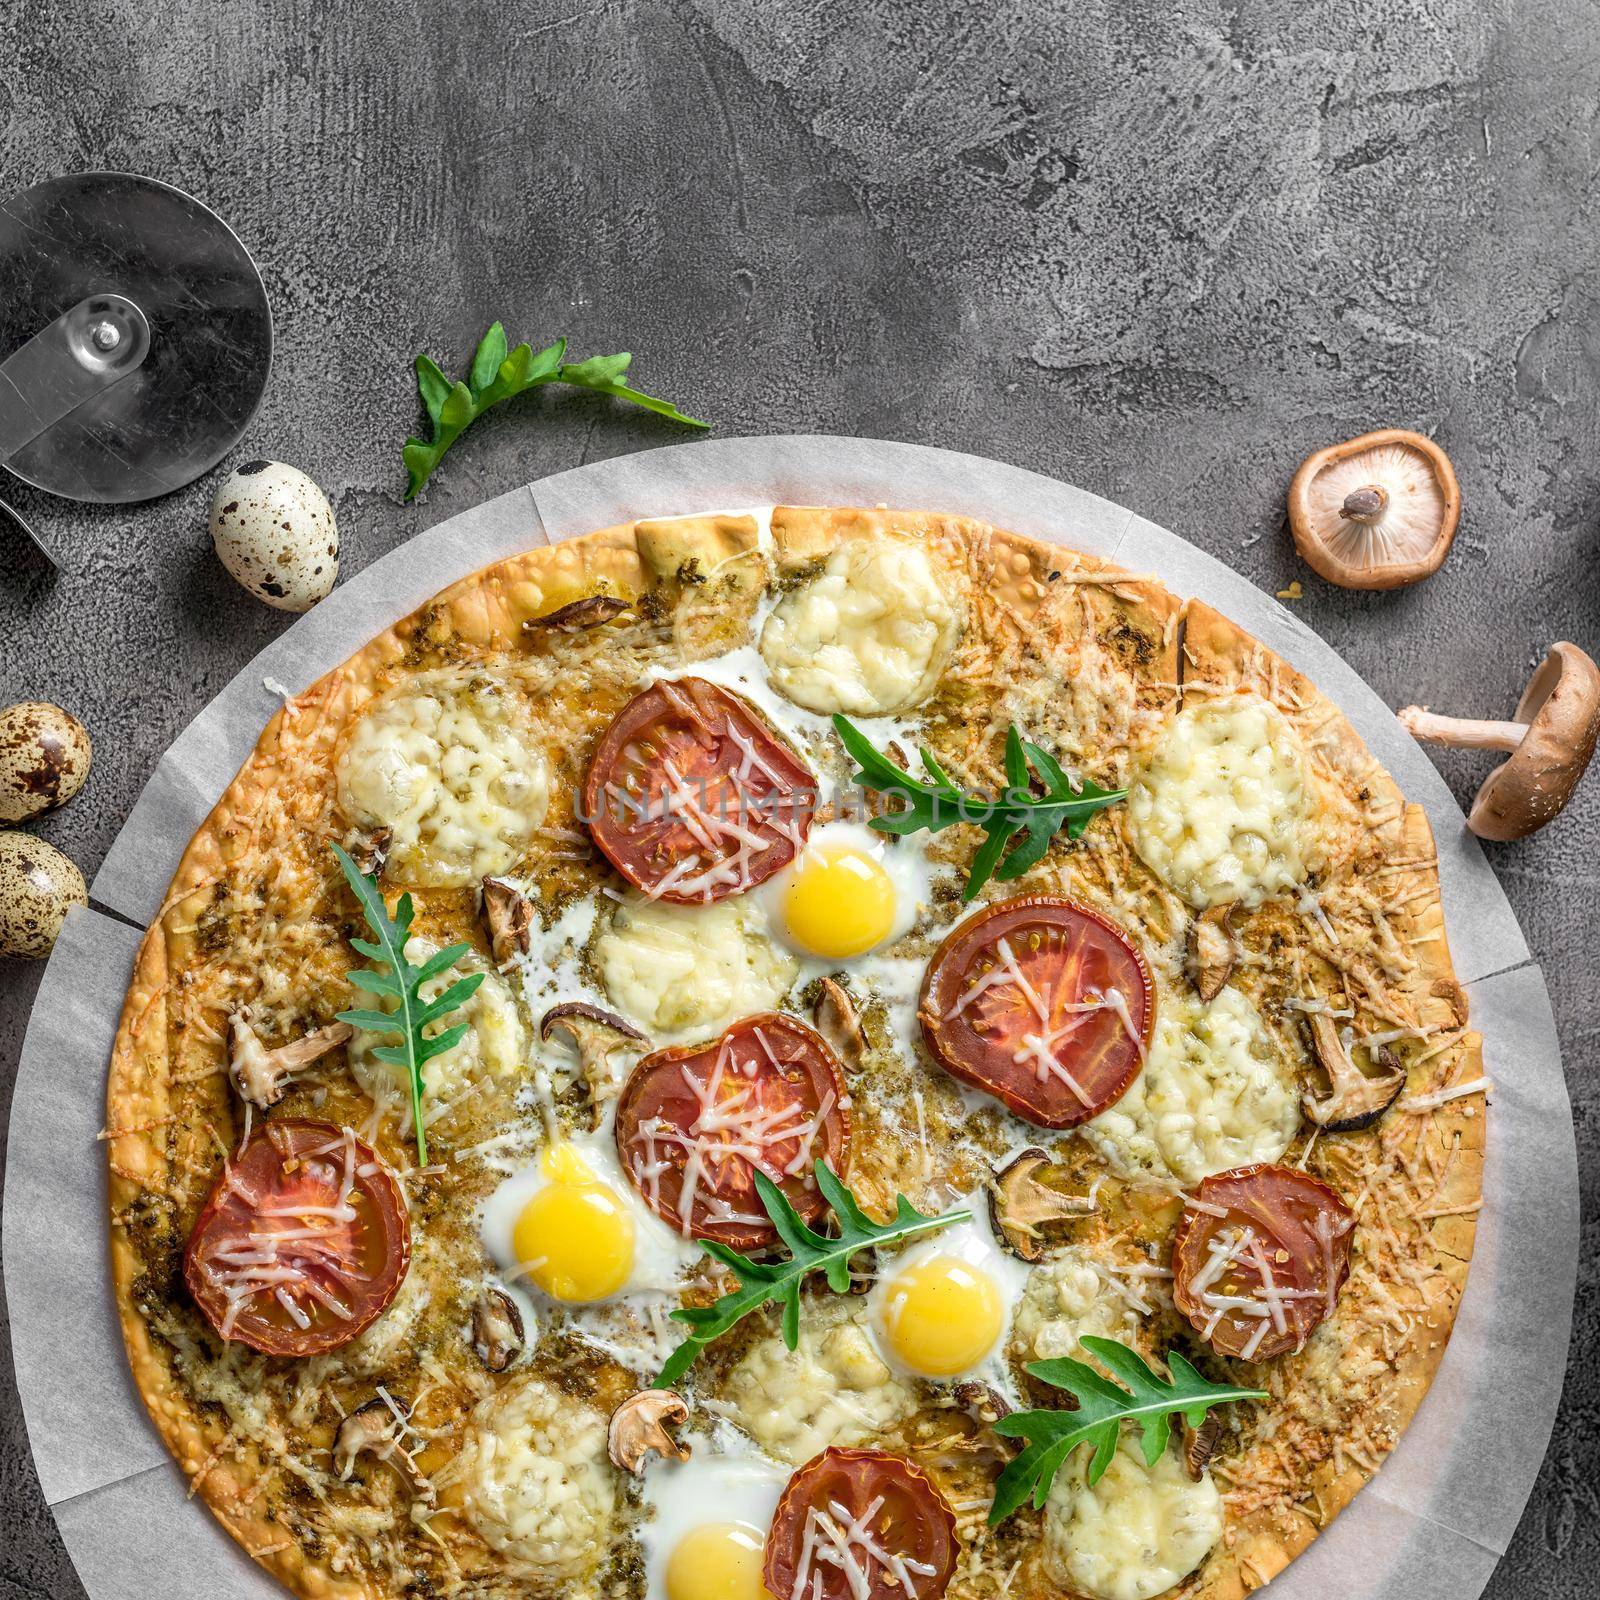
{"x": 1038, "y": 803}
{"x": 1102, "y": 1408}
{"x": 402, "y": 983}
{"x": 497, "y": 374}
{"x": 764, "y": 1281}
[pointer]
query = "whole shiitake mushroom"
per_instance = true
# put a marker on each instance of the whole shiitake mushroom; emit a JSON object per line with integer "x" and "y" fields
{"x": 1549, "y": 743}
{"x": 44, "y": 758}
{"x": 38, "y": 887}
{"x": 1377, "y": 512}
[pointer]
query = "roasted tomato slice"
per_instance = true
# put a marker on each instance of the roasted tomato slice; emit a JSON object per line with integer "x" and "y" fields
{"x": 697, "y": 1122}
{"x": 302, "y": 1241}
{"x": 861, "y": 1525}
{"x": 1259, "y": 1258}
{"x": 693, "y": 797}
{"x": 1043, "y": 1003}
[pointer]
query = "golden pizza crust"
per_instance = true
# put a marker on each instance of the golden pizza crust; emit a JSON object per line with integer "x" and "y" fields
{"x": 1026, "y": 601}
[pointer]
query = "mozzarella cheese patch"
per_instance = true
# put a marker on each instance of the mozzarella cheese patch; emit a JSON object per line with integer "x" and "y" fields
{"x": 1065, "y": 1299}
{"x": 1215, "y": 1093}
{"x": 685, "y": 972}
{"x": 445, "y": 765}
{"x": 495, "y": 1045}
{"x": 1137, "y": 1532}
{"x": 869, "y": 635}
{"x": 535, "y": 1480}
{"x": 833, "y": 1388}
{"x": 1219, "y": 808}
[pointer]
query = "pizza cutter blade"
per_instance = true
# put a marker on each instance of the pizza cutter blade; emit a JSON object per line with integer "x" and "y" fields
{"x": 135, "y": 337}
{"x": 11, "y": 517}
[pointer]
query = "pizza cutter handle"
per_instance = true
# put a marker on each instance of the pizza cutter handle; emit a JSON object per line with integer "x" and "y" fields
{"x": 99, "y": 342}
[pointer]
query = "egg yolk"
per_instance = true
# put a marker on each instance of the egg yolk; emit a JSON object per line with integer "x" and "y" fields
{"x": 840, "y": 902}
{"x": 574, "y": 1237}
{"x": 942, "y": 1316}
{"x": 721, "y": 1561}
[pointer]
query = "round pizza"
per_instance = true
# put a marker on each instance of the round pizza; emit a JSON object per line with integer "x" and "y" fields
{"x": 824, "y": 1054}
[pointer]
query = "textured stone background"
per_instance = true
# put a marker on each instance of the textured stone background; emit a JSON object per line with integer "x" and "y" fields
{"x": 1160, "y": 250}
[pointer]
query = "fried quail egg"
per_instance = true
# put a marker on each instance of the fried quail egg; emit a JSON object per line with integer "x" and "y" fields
{"x": 941, "y": 1308}
{"x": 38, "y": 887}
{"x": 849, "y": 892}
{"x": 571, "y": 1227}
{"x": 275, "y": 533}
{"x": 44, "y": 758}
{"x": 709, "y": 1529}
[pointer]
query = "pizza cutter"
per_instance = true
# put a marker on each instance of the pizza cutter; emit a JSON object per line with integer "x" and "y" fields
{"x": 135, "y": 339}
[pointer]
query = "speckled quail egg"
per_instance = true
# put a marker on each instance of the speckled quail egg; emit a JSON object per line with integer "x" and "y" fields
{"x": 38, "y": 886}
{"x": 274, "y": 531}
{"x": 44, "y": 758}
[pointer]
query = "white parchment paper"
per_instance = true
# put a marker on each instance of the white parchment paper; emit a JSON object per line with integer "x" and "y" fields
{"x": 1429, "y": 1527}
{"x": 85, "y": 1419}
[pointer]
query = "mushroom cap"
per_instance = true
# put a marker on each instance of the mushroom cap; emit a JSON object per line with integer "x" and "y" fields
{"x": 1561, "y": 707}
{"x": 1406, "y": 540}
{"x": 838, "y": 1021}
{"x": 643, "y": 1424}
{"x": 1020, "y": 1203}
{"x": 589, "y": 612}
{"x": 1354, "y": 1100}
{"x": 1209, "y": 954}
{"x": 574, "y": 1016}
{"x": 498, "y": 1334}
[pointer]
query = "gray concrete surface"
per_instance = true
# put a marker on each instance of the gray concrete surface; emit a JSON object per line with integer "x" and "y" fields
{"x": 1162, "y": 250}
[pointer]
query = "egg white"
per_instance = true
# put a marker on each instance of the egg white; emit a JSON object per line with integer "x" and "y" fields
{"x": 551, "y": 970}
{"x": 724, "y": 1480}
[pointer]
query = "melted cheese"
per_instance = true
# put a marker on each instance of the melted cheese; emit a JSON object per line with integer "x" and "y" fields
{"x": 1215, "y": 1093}
{"x": 686, "y": 972}
{"x": 447, "y": 767}
{"x": 377, "y": 1348}
{"x": 1219, "y": 808}
{"x": 535, "y": 1481}
{"x": 495, "y": 1047}
{"x": 1136, "y": 1533}
{"x": 1065, "y": 1299}
{"x": 832, "y": 1389}
{"x": 869, "y": 635}
{"x": 1335, "y": 1377}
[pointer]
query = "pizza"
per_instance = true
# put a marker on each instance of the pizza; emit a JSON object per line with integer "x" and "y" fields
{"x": 833, "y": 1054}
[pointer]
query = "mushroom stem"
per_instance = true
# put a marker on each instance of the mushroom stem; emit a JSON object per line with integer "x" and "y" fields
{"x": 1463, "y": 733}
{"x": 1365, "y": 505}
